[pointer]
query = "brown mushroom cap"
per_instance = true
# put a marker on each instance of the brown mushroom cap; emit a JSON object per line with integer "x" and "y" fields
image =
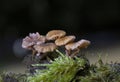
{"x": 83, "y": 43}
{"x": 80, "y": 44}
{"x": 54, "y": 34}
{"x": 44, "y": 48}
{"x": 64, "y": 40}
{"x": 71, "y": 46}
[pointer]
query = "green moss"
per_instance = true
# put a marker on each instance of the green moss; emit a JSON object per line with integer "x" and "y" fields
{"x": 62, "y": 69}
{"x": 102, "y": 73}
{"x": 67, "y": 69}
{"x": 13, "y": 77}
{"x": 1, "y": 79}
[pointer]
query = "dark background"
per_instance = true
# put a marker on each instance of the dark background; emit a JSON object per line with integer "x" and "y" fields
{"x": 95, "y": 20}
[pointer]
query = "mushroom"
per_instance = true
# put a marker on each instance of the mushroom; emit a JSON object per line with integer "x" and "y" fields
{"x": 80, "y": 44}
{"x": 33, "y": 39}
{"x": 76, "y": 46}
{"x": 44, "y": 48}
{"x": 54, "y": 34}
{"x": 27, "y": 43}
{"x": 83, "y": 43}
{"x": 64, "y": 40}
{"x": 37, "y": 38}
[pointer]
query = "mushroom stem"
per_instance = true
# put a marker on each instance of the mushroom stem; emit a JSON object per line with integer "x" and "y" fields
{"x": 67, "y": 52}
{"x": 34, "y": 56}
{"x": 74, "y": 53}
{"x": 33, "y": 51}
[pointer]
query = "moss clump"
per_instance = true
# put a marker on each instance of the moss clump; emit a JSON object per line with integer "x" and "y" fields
{"x": 1, "y": 79}
{"x": 62, "y": 69}
{"x": 67, "y": 69}
{"x": 102, "y": 73}
{"x": 13, "y": 77}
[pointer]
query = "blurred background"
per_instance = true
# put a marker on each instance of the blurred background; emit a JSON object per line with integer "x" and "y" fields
{"x": 97, "y": 21}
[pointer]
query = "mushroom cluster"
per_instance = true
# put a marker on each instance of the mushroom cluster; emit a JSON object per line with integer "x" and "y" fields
{"x": 41, "y": 44}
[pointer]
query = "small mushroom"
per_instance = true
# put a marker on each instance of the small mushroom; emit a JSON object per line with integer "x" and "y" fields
{"x": 37, "y": 38}
{"x": 83, "y": 43}
{"x": 80, "y": 44}
{"x": 64, "y": 40}
{"x": 76, "y": 46}
{"x": 33, "y": 39}
{"x": 54, "y": 34}
{"x": 27, "y": 43}
{"x": 44, "y": 48}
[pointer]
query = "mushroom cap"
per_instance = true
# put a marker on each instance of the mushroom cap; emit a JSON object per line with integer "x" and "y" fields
{"x": 80, "y": 44}
{"x": 33, "y": 39}
{"x": 54, "y": 34}
{"x": 83, "y": 43}
{"x": 27, "y": 43}
{"x": 71, "y": 46}
{"x": 37, "y": 38}
{"x": 44, "y": 48}
{"x": 64, "y": 40}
